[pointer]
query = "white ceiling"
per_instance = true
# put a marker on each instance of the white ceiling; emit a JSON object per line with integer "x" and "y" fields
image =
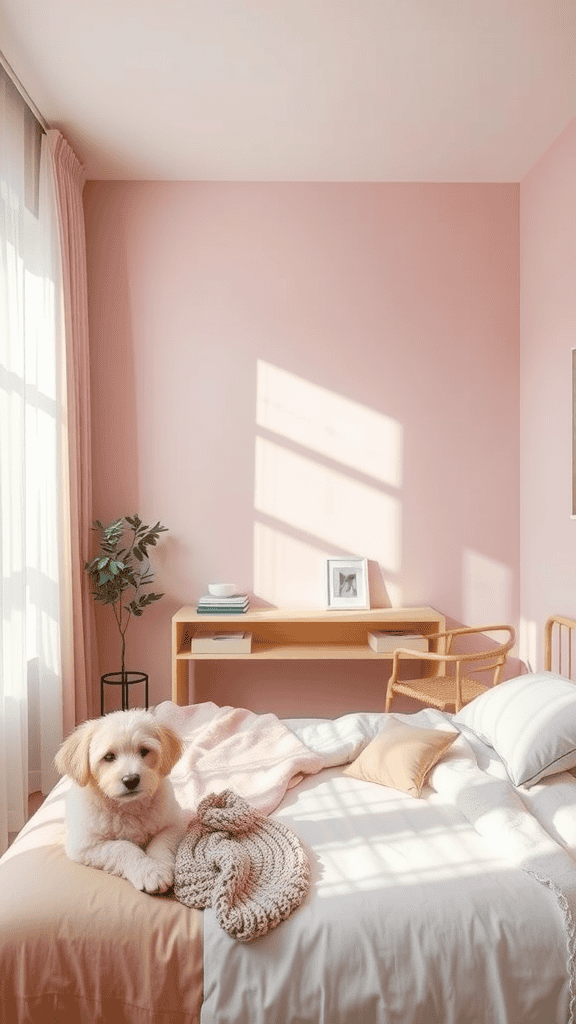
{"x": 303, "y": 90}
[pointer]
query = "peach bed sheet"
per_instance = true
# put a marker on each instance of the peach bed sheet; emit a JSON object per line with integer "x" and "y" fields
{"x": 79, "y": 946}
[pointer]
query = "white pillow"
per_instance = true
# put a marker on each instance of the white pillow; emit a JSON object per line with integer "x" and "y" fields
{"x": 530, "y": 721}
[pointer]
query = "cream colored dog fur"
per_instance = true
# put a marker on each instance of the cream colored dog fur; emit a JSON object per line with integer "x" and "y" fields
{"x": 121, "y": 812}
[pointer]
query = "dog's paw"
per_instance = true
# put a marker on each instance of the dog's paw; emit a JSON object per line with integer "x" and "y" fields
{"x": 152, "y": 876}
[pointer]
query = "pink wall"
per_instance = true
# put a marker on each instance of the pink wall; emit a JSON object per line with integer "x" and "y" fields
{"x": 548, "y": 319}
{"x": 282, "y": 372}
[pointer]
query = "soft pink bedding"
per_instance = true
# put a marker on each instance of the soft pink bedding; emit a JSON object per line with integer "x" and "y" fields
{"x": 232, "y": 748}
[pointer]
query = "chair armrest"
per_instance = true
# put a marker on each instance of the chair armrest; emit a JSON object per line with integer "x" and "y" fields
{"x": 496, "y": 654}
{"x": 407, "y": 652}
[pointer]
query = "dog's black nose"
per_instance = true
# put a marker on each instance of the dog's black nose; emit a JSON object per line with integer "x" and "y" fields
{"x": 131, "y": 781}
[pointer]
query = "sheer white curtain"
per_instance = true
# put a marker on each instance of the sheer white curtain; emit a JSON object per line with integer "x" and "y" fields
{"x": 79, "y": 647}
{"x": 33, "y": 439}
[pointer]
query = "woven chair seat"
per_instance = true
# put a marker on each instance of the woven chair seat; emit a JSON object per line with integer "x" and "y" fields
{"x": 439, "y": 691}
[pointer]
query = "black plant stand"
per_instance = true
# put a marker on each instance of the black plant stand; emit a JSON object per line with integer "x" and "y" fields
{"x": 124, "y": 680}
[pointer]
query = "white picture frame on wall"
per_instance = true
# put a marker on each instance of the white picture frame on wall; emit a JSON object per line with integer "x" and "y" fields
{"x": 346, "y": 583}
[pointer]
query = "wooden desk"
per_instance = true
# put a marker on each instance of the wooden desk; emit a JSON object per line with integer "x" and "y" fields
{"x": 288, "y": 634}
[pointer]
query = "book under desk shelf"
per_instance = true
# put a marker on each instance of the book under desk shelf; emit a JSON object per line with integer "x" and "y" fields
{"x": 287, "y": 634}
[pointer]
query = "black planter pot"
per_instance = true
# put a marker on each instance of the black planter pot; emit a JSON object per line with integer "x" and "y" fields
{"x": 125, "y": 680}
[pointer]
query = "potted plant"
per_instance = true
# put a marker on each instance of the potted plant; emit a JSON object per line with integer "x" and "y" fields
{"x": 118, "y": 575}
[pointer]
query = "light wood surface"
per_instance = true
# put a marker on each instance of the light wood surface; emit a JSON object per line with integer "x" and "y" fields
{"x": 286, "y": 635}
{"x": 559, "y": 639}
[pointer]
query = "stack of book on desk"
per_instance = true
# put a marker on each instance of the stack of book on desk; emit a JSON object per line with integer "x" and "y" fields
{"x": 386, "y": 641}
{"x": 221, "y": 643}
{"x": 208, "y": 604}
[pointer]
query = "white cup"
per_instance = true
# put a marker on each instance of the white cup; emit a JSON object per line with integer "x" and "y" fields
{"x": 222, "y": 589}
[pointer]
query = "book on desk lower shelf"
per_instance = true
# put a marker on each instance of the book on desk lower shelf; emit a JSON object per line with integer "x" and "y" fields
{"x": 215, "y": 643}
{"x": 386, "y": 641}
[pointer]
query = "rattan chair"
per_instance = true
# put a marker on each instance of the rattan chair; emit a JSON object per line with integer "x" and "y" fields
{"x": 450, "y": 690}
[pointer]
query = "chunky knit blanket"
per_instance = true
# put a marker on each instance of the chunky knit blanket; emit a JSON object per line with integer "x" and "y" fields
{"x": 250, "y": 869}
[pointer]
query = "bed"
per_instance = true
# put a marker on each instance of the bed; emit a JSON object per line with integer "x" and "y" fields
{"x": 455, "y": 905}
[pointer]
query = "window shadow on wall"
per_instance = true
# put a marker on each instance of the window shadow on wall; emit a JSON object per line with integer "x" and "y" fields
{"x": 328, "y": 478}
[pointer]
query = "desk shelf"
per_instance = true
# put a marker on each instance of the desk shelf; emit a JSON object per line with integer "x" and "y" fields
{"x": 265, "y": 651}
{"x": 290, "y": 635}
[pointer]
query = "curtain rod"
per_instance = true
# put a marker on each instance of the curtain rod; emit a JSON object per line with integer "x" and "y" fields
{"x": 18, "y": 84}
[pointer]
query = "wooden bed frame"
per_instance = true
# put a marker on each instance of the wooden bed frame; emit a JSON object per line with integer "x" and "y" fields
{"x": 559, "y": 645}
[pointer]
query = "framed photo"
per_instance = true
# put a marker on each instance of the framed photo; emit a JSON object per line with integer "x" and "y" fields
{"x": 347, "y": 583}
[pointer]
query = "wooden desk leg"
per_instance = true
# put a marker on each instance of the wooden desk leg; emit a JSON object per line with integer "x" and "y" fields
{"x": 180, "y": 683}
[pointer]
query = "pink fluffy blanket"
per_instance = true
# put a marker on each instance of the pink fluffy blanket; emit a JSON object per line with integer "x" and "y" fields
{"x": 256, "y": 756}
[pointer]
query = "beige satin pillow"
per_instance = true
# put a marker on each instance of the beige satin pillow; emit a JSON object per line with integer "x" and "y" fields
{"x": 401, "y": 756}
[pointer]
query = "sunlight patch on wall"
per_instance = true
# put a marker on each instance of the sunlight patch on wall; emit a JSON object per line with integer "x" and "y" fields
{"x": 528, "y": 643}
{"x": 486, "y": 590}
{"x": 394, "y": 592}
{"x": 288, "y": 572}
{"x": 327, "y": 423}
{"x": 327, "y": 504}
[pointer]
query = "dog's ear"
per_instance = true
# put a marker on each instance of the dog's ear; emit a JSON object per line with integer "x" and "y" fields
{"x": 171, "y": 748}
{"x": 73, "y": 757}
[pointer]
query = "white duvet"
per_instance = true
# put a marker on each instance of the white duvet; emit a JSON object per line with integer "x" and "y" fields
{"x": 450, "y": 909}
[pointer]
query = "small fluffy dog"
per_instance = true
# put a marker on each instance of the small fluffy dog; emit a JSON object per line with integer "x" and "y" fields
{"x": 121, "y": 812}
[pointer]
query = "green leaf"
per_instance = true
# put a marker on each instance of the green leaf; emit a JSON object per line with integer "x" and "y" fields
{"x": 116, "y": 570}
